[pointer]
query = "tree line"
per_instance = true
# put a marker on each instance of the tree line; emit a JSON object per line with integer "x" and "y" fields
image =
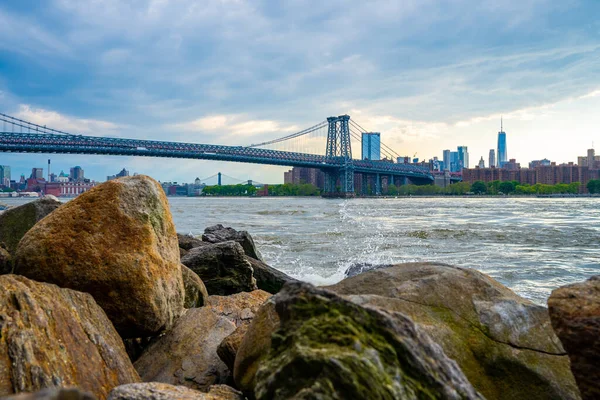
{"x": 490, "y": 188}
{"x": 287, "y": 189}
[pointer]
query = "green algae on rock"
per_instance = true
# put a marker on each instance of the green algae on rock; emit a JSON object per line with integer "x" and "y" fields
{"x": 330, "y": 348}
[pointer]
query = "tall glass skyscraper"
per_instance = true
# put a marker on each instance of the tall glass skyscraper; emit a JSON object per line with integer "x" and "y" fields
{"x": 502, "y": 155}
{"x": 371, "y": 146}
{"x": 463, "y": 157}
{"x": 446, "y": 160}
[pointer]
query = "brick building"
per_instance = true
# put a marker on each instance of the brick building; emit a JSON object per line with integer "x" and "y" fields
{"x": 298, "y": 175}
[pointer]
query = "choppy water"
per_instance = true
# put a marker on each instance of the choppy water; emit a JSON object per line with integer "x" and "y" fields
{"x": 531, "y": 245}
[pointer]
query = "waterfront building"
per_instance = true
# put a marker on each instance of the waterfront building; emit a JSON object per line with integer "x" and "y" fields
{"x": 512, "y": 165}
{"x": 535, "y": 163}
{"x": 298, "y": 175}
{"x": 492, "y": 158}
{"x": 68, "y": 188}
{"x": 502, "y": 151}
{"x": 121, "y": 174}
{"x": 76, "y": 174}
{"x": 463, "y": 157}
{"x": 371, "y": 146}
{"x": 37, "y": 173}
{"x": 590, "y": 158}
{"x": 5, "y": 175}
{"x": 446, "y": 160}
{"x": 481, "y": 163}
{"x": 62, "y": 177}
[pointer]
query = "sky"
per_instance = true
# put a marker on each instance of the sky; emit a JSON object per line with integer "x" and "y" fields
{"x": 429, "y": 75}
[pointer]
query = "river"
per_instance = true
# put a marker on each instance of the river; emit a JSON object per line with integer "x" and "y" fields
{"x": 532, "y": 245}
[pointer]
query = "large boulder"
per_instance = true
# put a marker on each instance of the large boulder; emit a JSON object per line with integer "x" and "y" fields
{"x": 164, "y": 391}
{"x": 575, "y": 314}
{"x": 188, "y": 242}
{"x": 195, "y": 291}
{"x": 53, "y": 337}
{"x": 5, "y": 262}
{"x": 328, "y": 347}
{"x": 16, "y": 221}
{"x": 218, "y": 234}
{"x": 118, "y": 243}
{"x": 187, "y": 354}
{"x": 222, "y": 267}
{"x": 503, "y": 343}
{"x": 268, "y": 278}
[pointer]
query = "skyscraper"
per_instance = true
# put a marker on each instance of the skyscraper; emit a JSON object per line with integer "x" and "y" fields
{"x": 4, "y": 175}
{"x": 502, "y": 153}
{"x": 446, "y": 160}
{"x": 481, "y": 163}
{"x": 454, "y": 162}
{"x": 492, "y": 161}
{"x": 76, "y": 174}
{"x": 590, "y": 158}
{"x": 371, "y": 146}
{"x": 37, "y": 173}
{"x": 463, "y": 157}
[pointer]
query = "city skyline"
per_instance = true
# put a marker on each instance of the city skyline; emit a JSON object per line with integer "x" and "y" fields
{"x": 129, "y": 71}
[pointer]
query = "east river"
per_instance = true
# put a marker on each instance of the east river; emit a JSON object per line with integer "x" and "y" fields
{"x": 532, "y": 245}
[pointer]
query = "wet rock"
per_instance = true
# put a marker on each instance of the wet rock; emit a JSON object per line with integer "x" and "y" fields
{"x": 268, "y": 278}
{"x": 57, "y": 337}
{"x": 118, "y": 243}
{"x": 188, "y": 242}
{"x": 164, "y": 391}
{"x": 5, "y": 262}
{"x": 359, "y": 268}
{"x": 218, "y": 234}
{"x": 222, "y": 267}
{"x": 182, "y": 252}
{"x": 54, "y": 394}
{"x": 328, "y": 347}
{"x": 16, "y": 221}
{"x": 228, "y": 348}
{"x": 255, "y": 346}
{"x": 503, "y": 343}
{"x": 187, "y": 354}
{"x": 195, "y": 291}
{"x": 575, "y": 314}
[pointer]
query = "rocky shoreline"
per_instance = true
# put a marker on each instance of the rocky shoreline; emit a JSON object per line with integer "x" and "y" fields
{"x": 101, "y": 299}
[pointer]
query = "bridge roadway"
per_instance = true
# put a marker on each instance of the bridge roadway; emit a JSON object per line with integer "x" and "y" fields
{"x": 79, "y": 144}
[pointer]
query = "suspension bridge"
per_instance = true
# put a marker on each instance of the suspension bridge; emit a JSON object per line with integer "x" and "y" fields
{"x": 305, "y": 148}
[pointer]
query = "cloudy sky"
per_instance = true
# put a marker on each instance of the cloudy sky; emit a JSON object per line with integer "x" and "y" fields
{"x": 429, "y": 75}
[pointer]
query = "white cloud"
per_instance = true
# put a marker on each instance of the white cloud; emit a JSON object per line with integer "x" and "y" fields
{"x": 236, "y": 125}
{"x": 58, "y": 121}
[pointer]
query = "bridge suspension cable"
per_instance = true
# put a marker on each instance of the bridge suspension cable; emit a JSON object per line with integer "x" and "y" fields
{"x": 388, "y": 151}
{"x": 30, "y": 126}
{"x": 292, "y": 136}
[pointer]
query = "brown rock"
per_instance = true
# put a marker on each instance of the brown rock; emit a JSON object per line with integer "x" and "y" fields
{"x": 230, "y": 346}
{"x": 164, "y": 391}
{"x": 503, "y": 343}
{"x": 53, "y": 337}
{"x": 187, "y": 354}
{"x": 255, "y": 346}
{"x": 222, "y": 267}
{"x": 575, "y": 314}
{"x": 195, "y": 291}
{"x": 240, "y": 307}
{"x": 16, "y": 221}
{"x": 5, "y": 262}
{"x": 218, "y": 234}
{"x": 118, "y": 243}
{"x": 54, "y": 394}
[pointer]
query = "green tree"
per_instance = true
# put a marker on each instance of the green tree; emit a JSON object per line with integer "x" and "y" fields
{"x": 392, "y": 190}
{"x": 493, "y": 187}
{"x": 593, "y": 186}
{"x": 478, "y": 187}
{"x": 507, "y": 187}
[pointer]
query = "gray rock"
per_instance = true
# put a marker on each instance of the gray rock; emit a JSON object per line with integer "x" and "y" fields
{"x": 16, "y": 221}
{"x": 218, "y": 233}
{"x": 359, "y": 268}
{"x": 268, "y": 278}
{"x": 222, "y": 267}
{"x": 188, "y": 242}
{"x": 164, "y": 391}
{"x": 329, "y": 348}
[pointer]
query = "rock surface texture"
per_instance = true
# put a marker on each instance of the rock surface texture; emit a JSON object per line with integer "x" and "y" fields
{"x": 188, "y": 242}
{"x": 575, "y": 314}
{"x": 16, "y": 221}
{"x": 5, "y": 262}
{"x": 118, "y": 243}
{"x": 222, "y": 267}
{"x": 52, "y": 337}
{"x": 218, "y": 234}
{"x": 54, "y": 394}
{"x": 331, "y": 348}
{"x": 503, "y": 343}
{"x": 164, "y": 391}
{"x": 195, "y": 291}
{"x": 187, "y": 354}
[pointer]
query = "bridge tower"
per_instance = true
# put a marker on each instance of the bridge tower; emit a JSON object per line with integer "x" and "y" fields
{"x": 339, "y": 147}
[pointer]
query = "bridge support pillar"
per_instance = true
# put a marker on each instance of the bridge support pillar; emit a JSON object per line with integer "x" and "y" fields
{"x": 378, "y": 185}
{"x": 403, "y": 180}
{"x": 219, "y": 179}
